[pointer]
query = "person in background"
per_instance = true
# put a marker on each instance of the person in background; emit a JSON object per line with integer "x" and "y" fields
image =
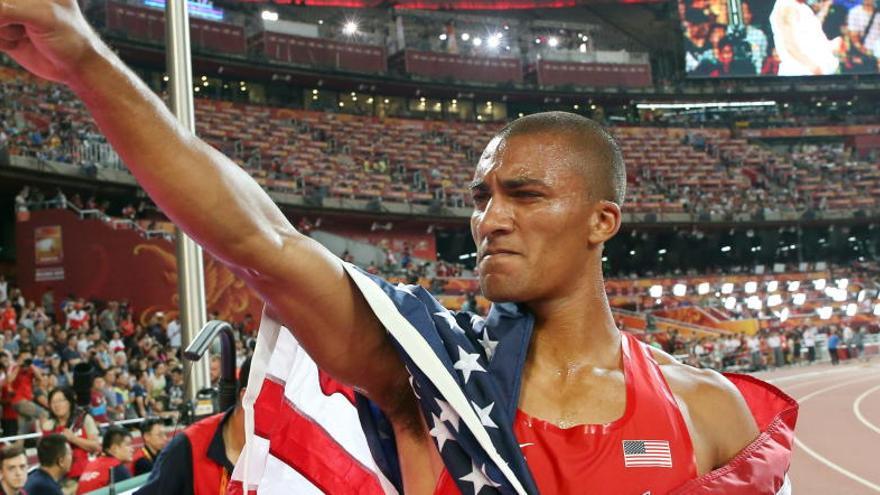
{"x": 13, "y": 471}
{"x": 200, "y": 460}
{"x": 116, "y": 453}
{"x": 833, "y": 343}
{"x": 75, "y": 425}
{"x": 155, "y": 439}
{"x": 55, "y": 459}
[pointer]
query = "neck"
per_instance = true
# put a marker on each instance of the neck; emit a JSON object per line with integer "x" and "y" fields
{"x": 55, "y": 472}
{"x": 233, "y": 435}
{"x": 576, "y": 327}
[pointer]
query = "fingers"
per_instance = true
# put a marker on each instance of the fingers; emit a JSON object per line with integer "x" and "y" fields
{"x": 8, "y": 45}
{"x": 23, "y": 11}
{"x": 13, "y": 32}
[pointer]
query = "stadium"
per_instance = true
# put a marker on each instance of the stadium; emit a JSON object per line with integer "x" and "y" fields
{"x": 748, "y": 241}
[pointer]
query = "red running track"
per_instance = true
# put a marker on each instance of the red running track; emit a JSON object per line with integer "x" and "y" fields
{"x": 837, "y": 446}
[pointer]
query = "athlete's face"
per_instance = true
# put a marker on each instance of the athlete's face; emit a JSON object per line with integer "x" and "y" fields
{"x": 531, "y": 218}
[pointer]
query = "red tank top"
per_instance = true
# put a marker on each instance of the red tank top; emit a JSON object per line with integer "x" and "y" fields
{"x": 80, "y": 456}
{"x": 648, "y": 450}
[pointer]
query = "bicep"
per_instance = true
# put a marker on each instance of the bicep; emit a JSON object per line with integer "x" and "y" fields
{"x": 308, "y": 289}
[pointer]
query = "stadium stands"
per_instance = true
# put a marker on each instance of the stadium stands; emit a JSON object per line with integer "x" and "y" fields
{"x": 671, "y": 170}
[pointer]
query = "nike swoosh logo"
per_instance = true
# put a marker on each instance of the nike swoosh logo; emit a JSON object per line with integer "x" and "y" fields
{"x": 522, "y": 445}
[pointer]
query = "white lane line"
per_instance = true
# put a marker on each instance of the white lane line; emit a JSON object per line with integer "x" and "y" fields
{"x": 812, "y": 374}
{"x": 857, "y": 409}
{"x": 821, "y": 458}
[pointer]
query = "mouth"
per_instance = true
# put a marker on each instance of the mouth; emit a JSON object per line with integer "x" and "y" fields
{"x": 496, "y": 253}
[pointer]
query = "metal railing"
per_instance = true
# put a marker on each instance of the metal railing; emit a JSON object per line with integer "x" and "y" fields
{"x": 28, "y": 436}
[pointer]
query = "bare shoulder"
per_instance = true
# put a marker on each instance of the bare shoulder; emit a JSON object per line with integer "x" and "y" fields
{"x": 717, "y": 414}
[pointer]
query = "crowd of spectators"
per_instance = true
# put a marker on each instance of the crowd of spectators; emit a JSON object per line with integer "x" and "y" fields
{"x": 134, "y": 367}
{"x": 769, "y": 348}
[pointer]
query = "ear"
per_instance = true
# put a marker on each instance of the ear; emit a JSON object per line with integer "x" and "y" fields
{"x": 605, "y": 220}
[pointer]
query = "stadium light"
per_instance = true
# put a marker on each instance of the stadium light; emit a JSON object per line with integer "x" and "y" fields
{"x": 537, "y": 41}
{"x": 772, "y": 286}
{"x": 350, "y": 28}
{"x": 727, "y": 288}
{"x": 679, "y": 290}
{"x": 494, "y": 40}
{"x": 443, "y": 36}
{"x": 465, "y": 36}
{"x": 730, "y": 303}
{"x": 478, "y": 41}
{"x": 799, "y": 299}
{"x": 819, "y": 283}
{"x": 754, "y": 302}
{"x": 553, "y": 42}
{"x": 794, "y": 285}
{"x": 842, "y": 283}
{"x": 661, "y": 251}
{"x": 704, "y": 288}
{"x": 725, "y": 249}
{"x": 862, "y": 295}
{"x": 852, "y": 309}
{"x": 877, "y": 310}
{"x": 655, "y": 291}
{"x": 774, "y": 300}
{"x": 825, "y": 312}
{"x": 583, "y": 48}
{"x": 837, "y": 295}
{"x": 268, "y": 15}
{"x": 751, "y": 287}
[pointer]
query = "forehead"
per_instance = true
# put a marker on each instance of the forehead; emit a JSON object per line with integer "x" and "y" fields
{"x": 550, "y": 158}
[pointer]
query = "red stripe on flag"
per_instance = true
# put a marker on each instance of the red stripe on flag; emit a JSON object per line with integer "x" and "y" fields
{"x": 305, "y": 446}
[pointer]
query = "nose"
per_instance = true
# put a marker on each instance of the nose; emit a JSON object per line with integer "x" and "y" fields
{"x": 495, "y": 219}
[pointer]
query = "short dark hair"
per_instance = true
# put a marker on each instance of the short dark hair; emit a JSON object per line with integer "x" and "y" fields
{"x": 243, "y": 373}
{"x": 149, "y": 424}
{"x": 600, "y": 153}
{"x": 9, "y": 453}
{"x": 114, "y": 436}
{"x": 51, "y": 449}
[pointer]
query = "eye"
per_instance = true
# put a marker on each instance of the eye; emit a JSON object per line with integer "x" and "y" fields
{"x": 527, "y": 194}
{"x": 480, "y": 197}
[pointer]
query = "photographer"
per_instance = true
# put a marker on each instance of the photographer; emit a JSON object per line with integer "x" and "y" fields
{"x": 21, "y": 380}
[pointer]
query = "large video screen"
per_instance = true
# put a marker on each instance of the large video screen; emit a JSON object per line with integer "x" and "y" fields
{"x": 750, "y": 38}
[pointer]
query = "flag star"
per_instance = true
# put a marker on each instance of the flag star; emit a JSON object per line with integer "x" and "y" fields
{"x": 450, "y": 320}
{"x": 488, "y": 344}
{"x": 467, "y": 364}
{"x": 447, "y": 413}
{"x": 479, "y": 478}
{"x": 483, "y": 413}
{"x": 440, "y": 432}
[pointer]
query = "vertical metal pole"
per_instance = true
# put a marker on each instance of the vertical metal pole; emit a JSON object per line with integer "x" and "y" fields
{"x": 190, "y": 270}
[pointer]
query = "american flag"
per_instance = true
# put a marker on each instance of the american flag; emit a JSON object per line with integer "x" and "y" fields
{"x": 306, "y": 434}
{"x": 646, "y": 453}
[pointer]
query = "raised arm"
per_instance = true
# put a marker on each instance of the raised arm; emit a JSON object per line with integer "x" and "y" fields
{"x": 211, "y": 198}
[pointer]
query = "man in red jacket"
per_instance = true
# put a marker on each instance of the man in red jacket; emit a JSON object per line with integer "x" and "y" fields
{"x": 115, "y": 456}
{"x": 200, "y": 461}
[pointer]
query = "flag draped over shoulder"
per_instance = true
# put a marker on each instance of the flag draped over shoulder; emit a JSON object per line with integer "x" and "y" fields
{"x": 305, "y": 433}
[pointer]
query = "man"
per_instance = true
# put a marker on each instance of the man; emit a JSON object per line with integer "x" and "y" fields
{"x": 200, "y": 460}
{"x": 833, "y": 343}
{"x": 116, "y": 453}
{"x": 864, "y": 26}
{"x": 55, "y": 461}
{"x": 155, "y": 438}
{"x": 13, "y": 471}
{"x": 800, "y": 42}
{"x": 546, "y": 191}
